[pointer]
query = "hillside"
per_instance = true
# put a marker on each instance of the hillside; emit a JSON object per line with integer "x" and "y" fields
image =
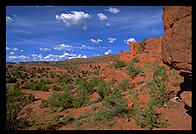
{"x": 132, "y": 90}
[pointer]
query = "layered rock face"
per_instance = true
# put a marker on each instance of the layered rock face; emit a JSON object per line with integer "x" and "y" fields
{"x": 177, "y": 40}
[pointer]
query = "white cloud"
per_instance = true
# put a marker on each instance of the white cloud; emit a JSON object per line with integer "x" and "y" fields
{"x": 85, "y": 47}
{"x": 113, "y": 10}
{"x": 130, "y": 40}
{"x": 96, "y": 41}
{"x": 63, "y": 47}
{"x": 22, "y": 50}
{"x": 7, "y": 48}
{"x": 44, "y": 49}
{"x": 84, "y": 27}
{"x": 102, "y": 16}
{"x": 15, "y": 49}
{"x": 108, "y": 52}
{"x": 8, "y": 19}
{"x": 107, "y": 24}
{"x": 76, "y": 18}
{"x": 20, "y": 57}
{"x": 111, "y": 40}
{"x": 78, "y": 56}
{"x": 37, "y": 56}
{"x": 52, "y": 57}
{"x": 11, "y": 53}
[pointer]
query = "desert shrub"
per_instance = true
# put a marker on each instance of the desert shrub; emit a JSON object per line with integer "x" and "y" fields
{"x": 44, "y": 88}
{"x": 30, "y": 98}
{"x": 119, "y": 64}
{"x": 95, "y": 81}
{"x": 147, "y": 118}
{"x": 103, "y": 89}
{"x": 68, "y": 88}
{"x": 15, "y": 73}
{"x": 123, "y": 85}
{"x": 66, "y": 120}
{"x": 55, "y": 87}
{"x": 96, "y": 72}
{"x": 81, "y": 119}
{"x": 58, "y": 100}
{"x": 114, "y": 105}
{"x": 158, "y": 86}
{"x": 11, "y": 80}
{"x": 15, "y": 101}
{"x": 94, "y": 107}
{"x": 132, "y": 70}
{"x": 65, "y": 80}
{"x": 159, "y": 96}
{"x": 80, "y": 100}
{"x": 44, "y": 103}
{"x": 79, "y": 81}
{"x": 85, "y": 88}
{"x": 51, "y": 75}
{"x": 140, "y": 82}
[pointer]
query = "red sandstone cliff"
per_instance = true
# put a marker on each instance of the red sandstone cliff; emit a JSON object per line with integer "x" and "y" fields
{"x": 177, "y": 40}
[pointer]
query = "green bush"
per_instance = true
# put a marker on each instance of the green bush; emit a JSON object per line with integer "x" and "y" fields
{"x": 132, "y": 70}
{"x": 11, "y": 80}
{"x": 15, "y": 101}
{"x": 119, "y": 64}
{"x": 95, "y": 81}
{"x": 65, "y": 80}
{"x": 123, "y": 85}
{"x": 30, "y": 98}
{"x": 64, "y": 100}
{"x": 96, "y": 72}
{"x": 55, "y": 87}
{"x": 158, "y": 86}
{"x": 80, "y": 100}
{"x": 85, "y": 88}
{"x": 103, "y": 89}
{"x": 44, "y": 103}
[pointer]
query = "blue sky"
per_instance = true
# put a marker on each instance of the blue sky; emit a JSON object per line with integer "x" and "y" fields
{"x": 53, "y": 33}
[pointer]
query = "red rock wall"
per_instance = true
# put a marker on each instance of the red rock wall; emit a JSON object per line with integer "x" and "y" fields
{"x": 177, "y": 40}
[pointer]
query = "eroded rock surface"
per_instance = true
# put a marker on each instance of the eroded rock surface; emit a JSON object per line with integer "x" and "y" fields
{"x": 177, "y": 39}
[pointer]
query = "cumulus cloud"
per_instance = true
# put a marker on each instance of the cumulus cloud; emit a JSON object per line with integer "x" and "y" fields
{"x": 11, "y": 53}
{"x": 96, "y": 41}
{"x": 52, "y": 57}
{"x": 75, "y": 18}
{"x": 15, "y": 49}
{"x": 8, "y": 19}
{"x": 7, "y": 48}
{"x": 78, "y": 56}
{"x": 44, "y": 49}
{"x": 101, "y": 16}
{"x": 107, "y": 24}
{"x": 130, "y": 40}
{"x": 63, "y": 47}
{"x": 85, "y": 47}
{"x": 18, "y": 57}
{"x": 37, "y": 56}
{"x": 111, "y": 40}
{"x": 113, "y": 10}
{"x": 108, "y": 52}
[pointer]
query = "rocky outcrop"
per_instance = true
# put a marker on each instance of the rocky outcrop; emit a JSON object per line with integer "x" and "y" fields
{"x": 177, "y": 40}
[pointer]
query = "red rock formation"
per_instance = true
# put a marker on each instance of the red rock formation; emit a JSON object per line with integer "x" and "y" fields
{"x": 133, "y": 46}
{"x": 153, "y": 44}
{"x": 177, "y": 39}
